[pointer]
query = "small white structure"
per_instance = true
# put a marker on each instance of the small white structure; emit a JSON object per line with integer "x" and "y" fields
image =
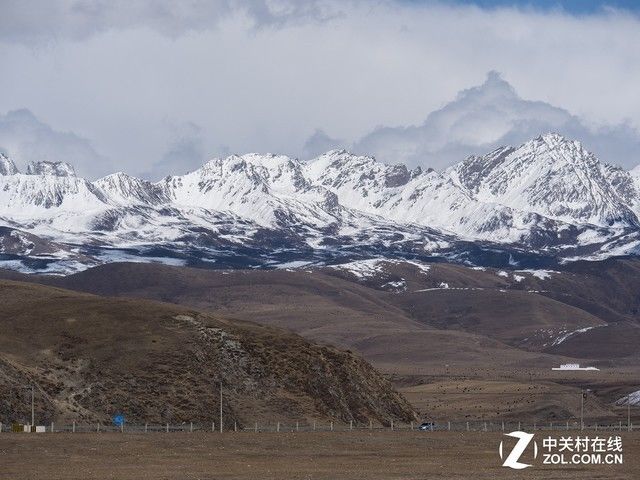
{"x": 35, "y": 428}
{"x": 573, "y": 366}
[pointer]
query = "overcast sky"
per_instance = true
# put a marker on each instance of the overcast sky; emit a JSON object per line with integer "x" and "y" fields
{"x": 153, "y": 87}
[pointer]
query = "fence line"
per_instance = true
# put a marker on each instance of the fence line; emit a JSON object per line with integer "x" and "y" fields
{"x": 331, "y": 426}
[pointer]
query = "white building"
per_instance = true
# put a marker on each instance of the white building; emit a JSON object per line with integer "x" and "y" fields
{"x": 573, "y": 366}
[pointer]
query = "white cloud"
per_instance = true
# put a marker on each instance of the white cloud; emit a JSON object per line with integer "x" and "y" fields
{"x": 26, "y": 139}
{"x": 185, "y": 152}
{"x": 264, "y": 75}
{"x": 484, "y": 117}
{"x": 37, "y": 21}
{"x": 319, "y": 143}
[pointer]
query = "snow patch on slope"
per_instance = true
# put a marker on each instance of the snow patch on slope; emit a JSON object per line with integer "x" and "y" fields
{"x": 632, "y": 399}
{"x": 572, "y": 333}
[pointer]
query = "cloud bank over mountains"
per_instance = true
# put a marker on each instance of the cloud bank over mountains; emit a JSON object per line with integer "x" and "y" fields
{"x": 25, "y": 139}
{"x": 478, "y": 120}
{"x": 482, "y": 118}
{"x": 156, "y": 86}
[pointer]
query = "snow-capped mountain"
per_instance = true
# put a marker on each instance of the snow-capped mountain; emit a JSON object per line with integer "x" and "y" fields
{"x": 545, "y": 201}
{"x": 267, "y": 189}
{"x": 124, "y": 189}
{"x": 56, "y": 169}
{"x": 553, "y": 177}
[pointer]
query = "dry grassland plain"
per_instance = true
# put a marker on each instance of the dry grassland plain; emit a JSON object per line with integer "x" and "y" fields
{"x": 310, "y": 455}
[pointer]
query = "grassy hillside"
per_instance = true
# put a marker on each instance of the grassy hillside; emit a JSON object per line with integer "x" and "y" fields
{"x": 91, "y": 356}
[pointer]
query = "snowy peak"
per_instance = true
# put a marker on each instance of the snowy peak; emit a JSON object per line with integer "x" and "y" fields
{"x": 268, "y": 189}
{"x": 56, "y": 169}
{"x": 7, "y": 167}
{"x": 340, "y": 170}
{"x": 33, "y": 195}
{"x": 125, "y": 189}
{"x": 471, "y": 173}
{"x": 550, "y": 176}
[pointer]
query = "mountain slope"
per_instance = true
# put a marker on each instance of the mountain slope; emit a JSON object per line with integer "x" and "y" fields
{"x": 393, "y": 313}
{"x": 91, "y": 356}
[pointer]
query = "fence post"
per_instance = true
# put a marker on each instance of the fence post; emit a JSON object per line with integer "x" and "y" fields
{"x": 534, "y": 425}
{"x": 278, "y": 427}
{"x": 235, "y": 426}
{"x": 567, "y": 424}
{"x": 332, "y": 425}
{"x": 620, "y": 426}
{"x": 98, "y": 428}
{"x": 213, "y": 426}
{"x": 449, "y": 425}
{"x": 191, "y": 427}
{"x": 122, "y": 427}
{"x": 167, "y": 428}
{"x": 350, "y": 424}
{"x": 392, "y": 425}
{"x": 146, "y": 427}
{"x": 52, "y": 427}
{"x": 74, "y": 427}
{"x": 411, "y": 425}
{"x": 519, "y": 426}
{"x": 314, "y": 425}
{"x": 256, "y": 427}
{"x": 485, "y": 426}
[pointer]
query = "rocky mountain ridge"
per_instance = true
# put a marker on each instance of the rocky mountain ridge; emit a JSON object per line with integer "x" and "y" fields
{"x": 548, "y": 200}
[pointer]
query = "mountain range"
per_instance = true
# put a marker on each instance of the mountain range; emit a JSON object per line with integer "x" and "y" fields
{"x": 544, "y": 203}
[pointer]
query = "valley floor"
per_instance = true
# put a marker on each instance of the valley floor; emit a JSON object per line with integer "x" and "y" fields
{"x": 283, "y": 456}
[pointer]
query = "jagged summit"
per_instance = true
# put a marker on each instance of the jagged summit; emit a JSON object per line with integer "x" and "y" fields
{"x": 7, "y": 166}
{"x": 553, "y": 138}
{"x": 56, "y": 169}
{"x": 125, "y": 189}
{"x": 569, "y": 150}
{"x": 550, "y": 176}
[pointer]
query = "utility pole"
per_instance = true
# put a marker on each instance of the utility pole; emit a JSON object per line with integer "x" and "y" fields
{"x": 220, "y": 406}
{"x": 33, "y": 410}
{"x": 629, "y": 412}
{"x": 581, "y": 409}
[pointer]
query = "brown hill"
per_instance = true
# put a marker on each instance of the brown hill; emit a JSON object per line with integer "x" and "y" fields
{"x": 451, "y": 307}
{"x": 445, "y": 325}
{"x": 317, "y": 305}
{"x": 91, "y": 356}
